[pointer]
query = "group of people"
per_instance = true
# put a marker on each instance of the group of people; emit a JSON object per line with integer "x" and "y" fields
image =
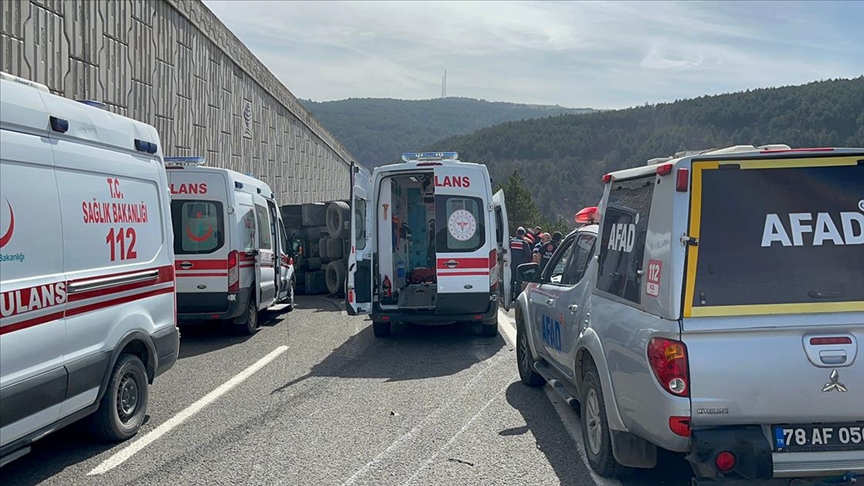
{"x": 531, "y": 245}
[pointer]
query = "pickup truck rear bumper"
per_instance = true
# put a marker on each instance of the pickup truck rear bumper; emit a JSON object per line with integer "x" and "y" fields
{"x": 756, "y": 461}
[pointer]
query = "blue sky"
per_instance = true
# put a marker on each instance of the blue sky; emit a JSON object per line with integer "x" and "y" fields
{"x": 577, "y": 54}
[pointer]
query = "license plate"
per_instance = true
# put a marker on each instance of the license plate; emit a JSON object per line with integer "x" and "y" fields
{"x": 818, "y": 438}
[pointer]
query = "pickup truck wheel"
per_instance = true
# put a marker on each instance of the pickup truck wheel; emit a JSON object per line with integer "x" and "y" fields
{"x": 595, "y": 430}
{"x": 124, "y": 405}
{"x": 380, "y": 329}
{"x": 525, "y": 361}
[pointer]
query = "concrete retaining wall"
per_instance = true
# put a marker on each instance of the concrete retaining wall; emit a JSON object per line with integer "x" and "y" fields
{"x": 173, "y": 64}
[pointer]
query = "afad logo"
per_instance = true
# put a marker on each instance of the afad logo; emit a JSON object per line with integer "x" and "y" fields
{"x": 6, "y": 236}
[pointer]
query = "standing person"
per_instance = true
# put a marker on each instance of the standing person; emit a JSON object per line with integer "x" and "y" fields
{"x": 543, "y": 251}
{"x": 520, "y": 252}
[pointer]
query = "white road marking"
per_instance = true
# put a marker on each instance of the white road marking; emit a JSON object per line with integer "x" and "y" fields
{"x": 564, "y": 411}
{"x": 142, "y": 442}
{"x": 410, "y": 434}
{"x": 457, "y": 434}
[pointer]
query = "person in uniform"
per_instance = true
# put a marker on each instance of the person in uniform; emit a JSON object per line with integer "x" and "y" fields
{"x": 520, "y": 252}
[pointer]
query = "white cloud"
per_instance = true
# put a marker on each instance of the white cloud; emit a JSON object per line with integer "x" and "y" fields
{"x": 599, "y": 54}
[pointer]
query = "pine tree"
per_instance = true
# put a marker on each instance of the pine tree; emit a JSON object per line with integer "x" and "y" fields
{"x": 521, "y": 209}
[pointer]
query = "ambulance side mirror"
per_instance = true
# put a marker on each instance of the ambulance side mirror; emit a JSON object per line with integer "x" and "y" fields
{"x": 528, "y": 272}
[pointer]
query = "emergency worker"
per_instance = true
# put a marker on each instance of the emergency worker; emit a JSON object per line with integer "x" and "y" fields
{"x": 543, "y": 250}
{"x": 520, "y": 252}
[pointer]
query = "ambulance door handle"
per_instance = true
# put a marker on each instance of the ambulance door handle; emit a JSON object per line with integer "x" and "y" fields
{"x": 550, "y": 301}
{"x": 186, "y": 265}
{"x": 573, "y": 308}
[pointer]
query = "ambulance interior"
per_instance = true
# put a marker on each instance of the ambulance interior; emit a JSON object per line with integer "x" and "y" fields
{"x": 407, "y": 265}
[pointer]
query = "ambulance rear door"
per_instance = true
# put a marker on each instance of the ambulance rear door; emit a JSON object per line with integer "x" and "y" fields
{"x": 358, "y": 297}
{"x": 502, "y": 239}
{"x": 199, "y": 208}
{"x": 465, "y": 250}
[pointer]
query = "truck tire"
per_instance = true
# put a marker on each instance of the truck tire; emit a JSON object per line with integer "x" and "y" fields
{"x": 524, "y": 361}
{"x": 313, "y": 264}
{"x": 322, "y": 249}
{"x": 380, "y": 329}
{"x": 334, "y": 248}
{"x": 336, "y": 276}
{"x": 123, "y": 407}
{"x": 338, "y": 214}
{"x": 595, "y": 430}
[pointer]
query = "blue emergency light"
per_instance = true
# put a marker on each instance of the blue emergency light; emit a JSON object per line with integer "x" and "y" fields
{"x": 184, "y": 161}
{"x": 424, "y": 156}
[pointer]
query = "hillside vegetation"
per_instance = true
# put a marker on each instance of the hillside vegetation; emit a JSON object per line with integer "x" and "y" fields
{"x": 562, "y": 159}
{"x": 378, "y": 131}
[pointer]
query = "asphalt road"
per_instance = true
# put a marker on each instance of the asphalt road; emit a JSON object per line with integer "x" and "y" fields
{"x": 315, "y": 398}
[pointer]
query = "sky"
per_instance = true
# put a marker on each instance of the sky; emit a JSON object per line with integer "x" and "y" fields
{"x": 577, "y": 54}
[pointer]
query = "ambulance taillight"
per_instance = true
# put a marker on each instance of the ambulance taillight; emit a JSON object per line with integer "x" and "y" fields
{"x": 233, "y": 271}
{"x": 493, "y": 271}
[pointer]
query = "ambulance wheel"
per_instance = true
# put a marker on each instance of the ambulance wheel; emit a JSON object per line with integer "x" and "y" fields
{"x": 247, "y": 323}
{"x": 490, "y": 327}
{"x": 380, "y": 329}
{"x": 124, "y": 405}
{"x": 292, "y": 284}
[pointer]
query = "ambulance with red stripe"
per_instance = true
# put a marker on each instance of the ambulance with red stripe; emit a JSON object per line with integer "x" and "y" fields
{"x": 233, "y": 258}
{"x": 87, "y": 308}
{"x": 430, "y": 244}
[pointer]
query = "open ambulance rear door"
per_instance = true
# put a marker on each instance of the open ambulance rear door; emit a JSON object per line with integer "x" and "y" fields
{"x": 502, "y": 239}
{"x": 358, "y": 295}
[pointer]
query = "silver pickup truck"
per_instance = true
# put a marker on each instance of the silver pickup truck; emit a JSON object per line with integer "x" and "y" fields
{"x": 712, "y": 305}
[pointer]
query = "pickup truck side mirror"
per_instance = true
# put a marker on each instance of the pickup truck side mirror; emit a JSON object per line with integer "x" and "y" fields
{"x": 529, "y": 272}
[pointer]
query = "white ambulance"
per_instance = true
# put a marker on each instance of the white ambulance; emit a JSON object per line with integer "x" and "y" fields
{"x": 429, "y": 244}
{"x": 233, "y": 257}
{"x": 87, "y": 309}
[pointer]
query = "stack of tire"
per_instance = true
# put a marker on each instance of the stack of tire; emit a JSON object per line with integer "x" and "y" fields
{"x": 324, "y": 230}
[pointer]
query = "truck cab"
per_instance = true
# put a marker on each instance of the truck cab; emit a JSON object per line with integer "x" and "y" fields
{"x": 430, "y": 244}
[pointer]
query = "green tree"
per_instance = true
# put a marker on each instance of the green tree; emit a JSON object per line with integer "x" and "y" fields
{"x": 521, "y": 209}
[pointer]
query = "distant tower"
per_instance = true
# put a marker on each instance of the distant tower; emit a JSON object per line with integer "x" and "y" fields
{"x": 444, "y": 85}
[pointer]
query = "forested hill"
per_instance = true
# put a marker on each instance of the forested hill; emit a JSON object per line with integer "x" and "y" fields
{"x": 378, "y": 131}
{"x": 562, "y": 159}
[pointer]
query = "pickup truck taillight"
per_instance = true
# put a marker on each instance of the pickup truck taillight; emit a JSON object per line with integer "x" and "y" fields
{"x": 668, "y": 359}
{"x": 233, "y": 271}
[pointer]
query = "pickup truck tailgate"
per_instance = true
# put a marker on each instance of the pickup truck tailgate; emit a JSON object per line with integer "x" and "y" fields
{"x": 789, "y": 371}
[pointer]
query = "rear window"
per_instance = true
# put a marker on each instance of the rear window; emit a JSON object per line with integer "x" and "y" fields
{"x": 459, "y": 224}
{"x": 198, "y": 226}
{"x": 780, "y": 236}
{"x": 622, "y": 238}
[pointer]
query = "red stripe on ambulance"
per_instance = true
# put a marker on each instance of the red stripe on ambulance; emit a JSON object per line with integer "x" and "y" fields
{"x": 463, "y": 263}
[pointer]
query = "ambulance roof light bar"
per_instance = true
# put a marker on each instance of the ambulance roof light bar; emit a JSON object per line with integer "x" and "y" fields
{"x": 15, "y": 79}
{"x": 429, "y": 156}
{"x": 184, "y": 161}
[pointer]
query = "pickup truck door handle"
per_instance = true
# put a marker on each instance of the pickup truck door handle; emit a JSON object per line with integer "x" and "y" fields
{"x": 573, "y": 308}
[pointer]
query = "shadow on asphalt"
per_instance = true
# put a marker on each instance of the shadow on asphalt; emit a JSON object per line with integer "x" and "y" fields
{"x": 553, "y": 440}
{"x": 205, "y": 337}
{"x": 542, "y": 422}
{"x": 55, "y": 453}
{"x": 409, "y": 353}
